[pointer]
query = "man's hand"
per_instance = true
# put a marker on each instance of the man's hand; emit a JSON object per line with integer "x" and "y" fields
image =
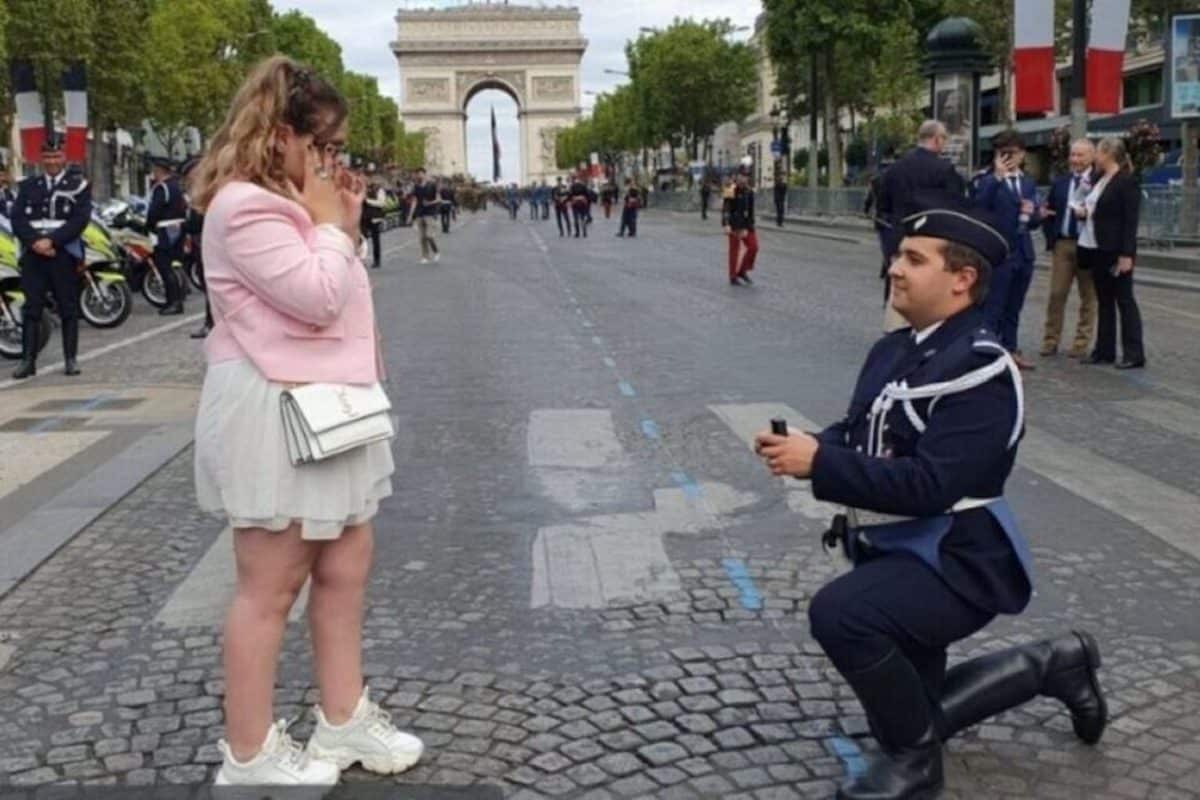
{"x": 787, "y": 455}
{"x": 743, "y": 233}
{"x": 43, "y": 247}
{"x": 1124, "y": 264}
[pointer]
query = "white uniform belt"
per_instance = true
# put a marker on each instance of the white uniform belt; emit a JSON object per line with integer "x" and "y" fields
{"x": 47, "y": 224}
{"x": 170, "y": 223}
{"x": 861, "y": 518}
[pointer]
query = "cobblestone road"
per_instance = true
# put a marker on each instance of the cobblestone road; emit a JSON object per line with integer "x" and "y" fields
{"x": 693, "y": 675}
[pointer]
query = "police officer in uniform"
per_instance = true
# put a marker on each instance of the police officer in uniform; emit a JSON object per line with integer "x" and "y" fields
{"x": 165, "y": 218}
{"x": 919, "y": 462}
{"x": 49, "y": 216}
{"x": 7, "y": 195}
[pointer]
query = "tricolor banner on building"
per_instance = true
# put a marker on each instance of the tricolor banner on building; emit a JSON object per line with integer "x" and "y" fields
{"x": 1106, "y": 55}
{"x": 1033, "y": 55}
{"x": 75, "y": 105}
{"x": 31, "y": 118}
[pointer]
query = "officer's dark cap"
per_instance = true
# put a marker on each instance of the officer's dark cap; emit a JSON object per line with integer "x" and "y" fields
{"x": 54, "y": 142}
{"x": 962, "y": 224}
{"x": 162, "y": 162}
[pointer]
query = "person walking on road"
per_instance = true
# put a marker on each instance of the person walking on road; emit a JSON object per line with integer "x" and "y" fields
{"x": 449, "y": 203}
{"x": 165, "y": 218}
{"x": 561, "y": 196}
{"x": 49, "y": 215}
{"x": 581, "y": 206}
{"x": 293, "y": 306}
{"x": 629, "y": 211}
{"x": 1061, "y": 228}
{"x": 936, "y": 549}
{"x": 1108, "y": 247}
{"x": 705, "y": 197}
{"x": 193, "y": 233}
{"x": 737, "y": 219}
{"x": 780, "y": 191}
{"x": 1011, "y": 195}
{"x": 513, "y": 200}
{"x": 425, "y": 194}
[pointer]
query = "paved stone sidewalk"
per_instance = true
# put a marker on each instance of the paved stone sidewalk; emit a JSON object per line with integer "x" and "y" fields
{"x": 695, "y": 696}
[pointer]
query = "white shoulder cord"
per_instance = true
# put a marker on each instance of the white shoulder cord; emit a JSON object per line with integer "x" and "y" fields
{"x": 899, "y": 391}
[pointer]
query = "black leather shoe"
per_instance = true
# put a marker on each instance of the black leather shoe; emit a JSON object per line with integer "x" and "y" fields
{"x": 1131, "y": 364}
{"x": 1095, "y": 359}
{"x": 734, "y": 282}
{"x": 1062, "y": 668}
{"x": 70, "y": 367}
{"x": 913, "y": 772}
{"x": 26, "y": 369}
{"x": 746, "y": 279}
{"x": 171, "y": 310}
{"x": 200, "y": 333}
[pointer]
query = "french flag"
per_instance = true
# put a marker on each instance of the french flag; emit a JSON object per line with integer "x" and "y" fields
{"x": 1033, "y": 55}
{"x": 75, "y": 104}
{"x": 1106, "y": 55}
{"x": 31, "y": 119}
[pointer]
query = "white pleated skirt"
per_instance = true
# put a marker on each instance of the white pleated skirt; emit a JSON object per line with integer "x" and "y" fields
{"x": 243, "y": 470}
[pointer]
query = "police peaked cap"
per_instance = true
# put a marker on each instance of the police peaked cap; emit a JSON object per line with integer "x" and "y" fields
{"x": 967, "y": 226}
{"x": 54, "y": 142}
{"x": 162, "y": 161}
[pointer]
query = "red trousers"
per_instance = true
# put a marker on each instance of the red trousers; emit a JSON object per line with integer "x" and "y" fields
{"x": 736, "y": 243}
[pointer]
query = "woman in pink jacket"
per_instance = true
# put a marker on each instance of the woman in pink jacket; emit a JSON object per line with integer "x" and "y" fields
{"x": 291, "y": 305}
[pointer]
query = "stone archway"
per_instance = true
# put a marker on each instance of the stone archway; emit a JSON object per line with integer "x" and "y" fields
{"x": 447, "y": 56}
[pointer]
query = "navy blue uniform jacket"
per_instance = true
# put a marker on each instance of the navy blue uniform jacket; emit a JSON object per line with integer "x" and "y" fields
{"x": 997, "y": 196}
{"x": 70, "y": 203}
{"x": 963, "y": 452}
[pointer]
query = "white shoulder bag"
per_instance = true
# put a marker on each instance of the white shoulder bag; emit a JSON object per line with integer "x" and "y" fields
{"x": 321, "y": 420}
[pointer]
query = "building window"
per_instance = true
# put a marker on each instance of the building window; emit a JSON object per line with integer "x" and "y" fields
{"x": 1143, "y": 89}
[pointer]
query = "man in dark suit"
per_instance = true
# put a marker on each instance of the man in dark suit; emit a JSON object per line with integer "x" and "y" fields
{"x": 49, "y": 216}
{"x": 921, "y": 171}
{"x": 1061, "y": 227}
{"x": 920, "y": 464}
{"x": 1011, "y": 197}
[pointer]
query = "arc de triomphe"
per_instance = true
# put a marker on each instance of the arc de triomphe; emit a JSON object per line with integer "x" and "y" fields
{"x": 447, "y": 56}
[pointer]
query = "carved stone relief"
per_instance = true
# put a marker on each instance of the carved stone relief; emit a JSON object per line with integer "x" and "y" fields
{"x": 466, "y": 81}
{"x": 433, "y": 148}
{"x": 549, "y": 146}
{"x": 554, "y": 87}
{"x": 428, "y": 90}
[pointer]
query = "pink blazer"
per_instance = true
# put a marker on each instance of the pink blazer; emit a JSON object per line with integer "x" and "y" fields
{"x": 288, "y": 295}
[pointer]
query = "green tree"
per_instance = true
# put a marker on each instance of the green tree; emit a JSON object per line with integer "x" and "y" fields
{"x": 116, "y": 97}
{"x": 297, "y": 35}
{"x": 5, "y": 102}
{"x": 366, "y": 135}
{"x": 50, "y": 46}
{"x": 193, "y": 64}
{"x": 695, "y": 77}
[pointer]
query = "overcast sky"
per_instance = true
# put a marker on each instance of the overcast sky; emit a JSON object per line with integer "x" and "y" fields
{"x": 366, "y": 28}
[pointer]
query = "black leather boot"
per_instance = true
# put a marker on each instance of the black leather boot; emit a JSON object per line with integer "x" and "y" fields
{"x": 909, "y": 766}
{"x": 1063, "y": 668}
{"x": 29, "y": 349}
{"x": 70, "y": 337}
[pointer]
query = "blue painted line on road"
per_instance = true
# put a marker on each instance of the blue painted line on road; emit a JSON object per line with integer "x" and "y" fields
{"x": 748, "y": 594}
{"x": 596, "y": 340}
{"x": 627, "y": 389}
{"x": 608, "y": 362}
{"x": 850, "y": 755}
{"x": 691, "y": 489}
{"x": 650, "y": 429}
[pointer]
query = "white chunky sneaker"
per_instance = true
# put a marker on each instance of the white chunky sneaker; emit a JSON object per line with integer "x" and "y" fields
{"x": 281, "y": 762}
{"x": 368, "y": 737}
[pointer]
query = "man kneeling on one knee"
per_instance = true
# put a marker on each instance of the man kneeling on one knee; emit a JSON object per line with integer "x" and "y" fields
{"x": 919, "y": 462}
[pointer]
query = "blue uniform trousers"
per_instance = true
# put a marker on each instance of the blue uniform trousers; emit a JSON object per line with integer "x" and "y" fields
{"x": 889, "y": 602}
{"x": 1005, "y": 299}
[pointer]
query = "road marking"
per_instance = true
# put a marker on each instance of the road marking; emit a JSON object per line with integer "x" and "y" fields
{"x": 577, "y": 459}
{"x": 650, "y": 429}
{"x": 626, "y": 389}
{"x": 1176, "y": 417}
{"x": 1169, "y": 309}
{"x": 204, "y": 596}
{"x": 850, "y": 754}
{"x": 91, "y": 355}
{"x": 1152, "y": 505}
{"x": 748, "y": 595}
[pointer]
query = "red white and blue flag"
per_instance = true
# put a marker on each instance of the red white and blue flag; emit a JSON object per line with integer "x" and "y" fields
{"x": 1033, "y": 55}
{"x": 75, "y": 104}
{"x": 31, "y": 118}
{"x": 495, "y": 149}
{"x": 1106, "y": 55}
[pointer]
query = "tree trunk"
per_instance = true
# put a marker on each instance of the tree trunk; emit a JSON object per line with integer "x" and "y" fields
{"x": 833, "y": 135}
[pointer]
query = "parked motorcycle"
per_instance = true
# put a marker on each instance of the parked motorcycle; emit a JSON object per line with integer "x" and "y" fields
{"x": 105, "y": 299}
{"x": 127, "y": 229}
{"x": 12, "y": 302}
